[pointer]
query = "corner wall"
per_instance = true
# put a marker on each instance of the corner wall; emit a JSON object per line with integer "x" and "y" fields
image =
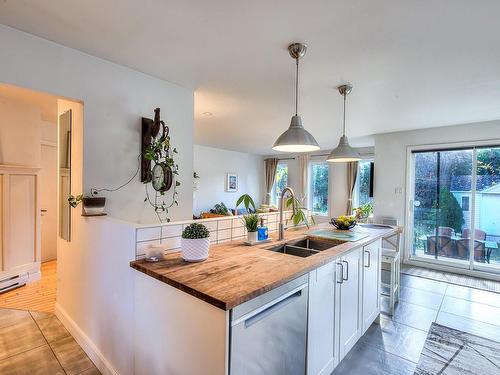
{"x": 115, "y": 98}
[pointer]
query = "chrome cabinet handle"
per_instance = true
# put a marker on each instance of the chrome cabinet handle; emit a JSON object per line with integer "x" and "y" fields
{"x": 369, "y": 259}
{"x": 347, "y": 267}
{"x": 342, "y": 274}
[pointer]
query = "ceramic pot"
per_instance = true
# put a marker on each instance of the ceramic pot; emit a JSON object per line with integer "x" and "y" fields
{"x": 93, "y": 205}
{"x": 252, "y": 236}
{"x": 195, "y": 250}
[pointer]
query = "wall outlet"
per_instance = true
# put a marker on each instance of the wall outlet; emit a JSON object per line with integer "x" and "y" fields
{"x": 398, "y": 190}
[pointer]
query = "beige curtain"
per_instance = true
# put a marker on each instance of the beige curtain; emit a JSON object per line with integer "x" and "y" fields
{"x": 352, "y": 174}
{"x": 303, "y": 177}
{"x": 271, "y": 165}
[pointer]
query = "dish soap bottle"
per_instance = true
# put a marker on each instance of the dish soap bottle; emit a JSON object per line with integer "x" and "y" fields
{"x": 262, "y": 232}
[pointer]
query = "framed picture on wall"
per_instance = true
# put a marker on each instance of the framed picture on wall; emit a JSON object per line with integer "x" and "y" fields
{"x": 232, "y": 182}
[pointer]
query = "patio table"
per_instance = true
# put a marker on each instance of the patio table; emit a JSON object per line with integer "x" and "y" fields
{"x": 489, "y": 245}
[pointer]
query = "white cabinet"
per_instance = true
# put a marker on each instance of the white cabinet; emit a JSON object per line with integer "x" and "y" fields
{"x": 20, "y": 219}
{"x": 371, "y": 283}
{"x": 321, "y": 346}
{"x": 343, "y": 303}
{"x": 349, "y": 288}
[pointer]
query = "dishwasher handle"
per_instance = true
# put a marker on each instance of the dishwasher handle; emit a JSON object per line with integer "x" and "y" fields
{"x": 271, "y": 309}
{"x": 267, "y": 309}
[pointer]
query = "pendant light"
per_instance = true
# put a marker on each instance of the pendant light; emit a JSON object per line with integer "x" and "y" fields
{"x": 296, "y": 138}
{"x": 343, "y": 152}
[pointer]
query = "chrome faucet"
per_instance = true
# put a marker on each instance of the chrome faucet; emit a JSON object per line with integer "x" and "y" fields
{"x": 281, "y": 235}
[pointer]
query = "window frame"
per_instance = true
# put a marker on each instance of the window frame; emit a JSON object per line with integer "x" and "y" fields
{"x": 309, "y": 187}
{"x": 274, "y": 201}
{"x": 355, "y": 194}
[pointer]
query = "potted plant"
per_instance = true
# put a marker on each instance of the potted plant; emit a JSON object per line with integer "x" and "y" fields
{"x": 247, "y": 201}
{"x": 195, "y": 242}
{"x": 363, "y": 212}
{"x": 300, "y": 213}
{"x": 251, "y": 222}
{"x": 92, "y": 206}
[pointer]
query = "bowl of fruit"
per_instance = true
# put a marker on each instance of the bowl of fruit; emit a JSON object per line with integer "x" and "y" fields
{"x": 343, "y": 222}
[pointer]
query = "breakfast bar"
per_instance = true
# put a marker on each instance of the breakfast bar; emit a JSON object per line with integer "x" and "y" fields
{"x": 206, "y": 301}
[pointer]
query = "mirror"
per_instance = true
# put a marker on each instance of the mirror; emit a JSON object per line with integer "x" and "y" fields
{"x": 65, "y": 175}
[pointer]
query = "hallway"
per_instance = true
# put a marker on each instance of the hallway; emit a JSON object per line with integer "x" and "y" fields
{"x": 37, "y": 296}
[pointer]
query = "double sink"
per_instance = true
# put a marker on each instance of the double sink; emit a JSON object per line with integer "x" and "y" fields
{"x": 305, "y": 247}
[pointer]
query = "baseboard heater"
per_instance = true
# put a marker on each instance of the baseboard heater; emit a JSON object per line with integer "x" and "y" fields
{"x": 13, "y": 282}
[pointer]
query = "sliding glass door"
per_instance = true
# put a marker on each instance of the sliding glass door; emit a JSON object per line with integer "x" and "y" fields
{"x": 454, "y": 207}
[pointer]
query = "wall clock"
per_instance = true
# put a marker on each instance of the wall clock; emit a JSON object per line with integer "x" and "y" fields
{"x": 161, "y": 177}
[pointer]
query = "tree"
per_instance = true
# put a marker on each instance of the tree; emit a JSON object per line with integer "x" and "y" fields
{"x": 449, "y": 213}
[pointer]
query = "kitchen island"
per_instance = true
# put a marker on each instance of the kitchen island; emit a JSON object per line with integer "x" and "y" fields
{"x": 188, "y": 313}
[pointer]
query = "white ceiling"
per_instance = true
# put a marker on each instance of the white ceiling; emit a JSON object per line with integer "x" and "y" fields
{"x": 413, "y": 64}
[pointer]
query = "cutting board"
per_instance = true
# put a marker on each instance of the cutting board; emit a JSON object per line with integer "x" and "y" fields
{"x": 342, "y": 235}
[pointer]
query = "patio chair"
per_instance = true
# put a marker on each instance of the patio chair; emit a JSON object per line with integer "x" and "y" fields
{"x": 446, "y": 231}
{"x": 463, "y": 246}
{"x": 442, "y": 245}
{"x": 478, "y": 234}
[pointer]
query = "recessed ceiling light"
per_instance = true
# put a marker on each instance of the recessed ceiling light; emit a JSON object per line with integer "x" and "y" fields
{"x": 207, "y": 114}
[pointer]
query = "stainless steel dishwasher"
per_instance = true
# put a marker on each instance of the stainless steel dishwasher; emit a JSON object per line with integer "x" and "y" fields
{"x": 269, "y": 333}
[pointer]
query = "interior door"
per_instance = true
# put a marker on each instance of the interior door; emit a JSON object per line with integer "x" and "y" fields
{"x": 48, "y": 198}
{"x": 350, "y": 322}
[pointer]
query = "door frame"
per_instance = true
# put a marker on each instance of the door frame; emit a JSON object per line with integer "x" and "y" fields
{"x": 443, "y": 265}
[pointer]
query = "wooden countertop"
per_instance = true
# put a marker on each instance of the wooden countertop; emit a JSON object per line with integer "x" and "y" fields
{"x": 235, "y": 273}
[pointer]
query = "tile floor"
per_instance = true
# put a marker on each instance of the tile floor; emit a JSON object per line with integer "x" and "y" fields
{"x": 394, "y": 346}
{"x": 36, "y": 343}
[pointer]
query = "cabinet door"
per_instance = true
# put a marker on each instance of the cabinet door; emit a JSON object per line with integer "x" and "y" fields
{"x": 21, "y": 214}
{"x": 321, "y": 321}
{"x": 350, "y": 311}
{"x": 371, "y": 283}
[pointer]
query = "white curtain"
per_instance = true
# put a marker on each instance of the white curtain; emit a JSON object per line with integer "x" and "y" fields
{"x": 303, "y": 178}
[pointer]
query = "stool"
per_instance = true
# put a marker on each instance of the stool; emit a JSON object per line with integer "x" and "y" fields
{"x": 391, "y": 257}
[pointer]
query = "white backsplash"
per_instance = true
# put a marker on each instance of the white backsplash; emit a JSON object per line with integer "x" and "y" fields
{"x": 223, "y": 229}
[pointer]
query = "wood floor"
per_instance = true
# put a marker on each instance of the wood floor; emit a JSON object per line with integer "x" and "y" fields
{"x": 36, "y": 296}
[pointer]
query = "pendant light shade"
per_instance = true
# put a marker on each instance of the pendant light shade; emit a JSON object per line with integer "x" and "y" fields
{"x": 344, "y": 152}
{"x": 296, "y": 138}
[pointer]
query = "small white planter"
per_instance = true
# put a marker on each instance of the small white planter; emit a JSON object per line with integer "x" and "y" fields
{"x": 195, "y": 250}
{"x": 252, "y": 236}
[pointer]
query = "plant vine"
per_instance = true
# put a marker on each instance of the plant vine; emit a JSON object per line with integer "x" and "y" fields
{"x": 159, "y": 151}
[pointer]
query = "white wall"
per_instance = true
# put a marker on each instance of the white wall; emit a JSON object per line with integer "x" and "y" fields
{"x": 115, "y": 98}
{"x": 20, "y": 133}
{"x": 212, "y": 165}
{"x": 390, "y": 160}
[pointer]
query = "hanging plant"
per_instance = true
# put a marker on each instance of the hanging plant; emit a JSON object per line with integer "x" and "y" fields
{"x": 165, "y": 171}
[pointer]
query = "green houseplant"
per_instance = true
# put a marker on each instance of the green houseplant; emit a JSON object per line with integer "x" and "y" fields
{"x": 195, "y": 242}
{"x": 92, "y": 205}
{"x": 251, "y": 222}
{"x": 300, "y": 213}
{"x": 247, "y": 201}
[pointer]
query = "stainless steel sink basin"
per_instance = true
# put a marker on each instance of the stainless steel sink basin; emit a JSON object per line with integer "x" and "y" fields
{"x": 293, "y": 250}
{"x": 305, "y": 247}
{"x": 316, "y": 244}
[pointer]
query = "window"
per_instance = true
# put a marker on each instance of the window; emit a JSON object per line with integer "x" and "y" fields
{"x": 363, "y": 191}
{"x": 280, "y": 182}
{"x": 465, "y": 203}
{"x": 318, "y": 187}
